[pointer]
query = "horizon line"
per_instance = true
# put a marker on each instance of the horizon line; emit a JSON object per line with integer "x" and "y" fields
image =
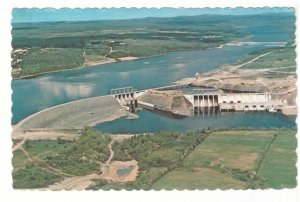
{"x": 140, "y": 18}
{"x": 34, "y": 15}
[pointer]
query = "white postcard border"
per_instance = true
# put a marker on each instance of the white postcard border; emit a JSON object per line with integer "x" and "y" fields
{"x": 6, "y": 191}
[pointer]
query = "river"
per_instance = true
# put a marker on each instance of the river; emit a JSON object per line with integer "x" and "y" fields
{"x": 32, "y": 95}
{"x": 150, "y": 121}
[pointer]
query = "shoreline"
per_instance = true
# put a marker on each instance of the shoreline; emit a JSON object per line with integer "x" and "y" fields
{"x": 112, "y": 60}
{"x": 131, "y": 58}
{"x": 93, "y": 64}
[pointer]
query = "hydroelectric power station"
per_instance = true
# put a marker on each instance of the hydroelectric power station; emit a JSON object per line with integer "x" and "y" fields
{"x": 184, "y": 99}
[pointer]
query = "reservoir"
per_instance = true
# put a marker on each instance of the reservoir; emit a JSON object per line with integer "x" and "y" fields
{"x": 32, "y": 95}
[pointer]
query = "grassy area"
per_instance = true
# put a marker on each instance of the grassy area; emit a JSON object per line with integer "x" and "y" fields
{"x": 83, "y": 156}
{"x": 225, "y": 159}
{"x": 45, "y": 148}
{"x": 234, "y": 149}
{"x": 277, "y": 57}
{"x": 147, "y": 178}
{"x": 19, "y": 160}
{"x": 201, "y": 178}
{"x": 75, "y": 158}
{"x": 279, "y": 165}
{"x": 33, "y": 178}
{"x": 39, "y": 148}
{"x": 281, "y": 62}
{"x": 163, "y": 149}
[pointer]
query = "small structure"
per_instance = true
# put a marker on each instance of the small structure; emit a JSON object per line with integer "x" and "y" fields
{"x": 125, "y": 96}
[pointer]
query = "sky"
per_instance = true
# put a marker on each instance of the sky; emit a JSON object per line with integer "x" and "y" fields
{"x": 65, "y": 14}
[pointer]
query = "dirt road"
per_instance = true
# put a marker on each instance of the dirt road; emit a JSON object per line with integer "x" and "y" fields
{"x": 104, "y": 167}
{"x": 19, "y": 145}
{"x": 108, "y": 172}
{"x": 45, "y": 134}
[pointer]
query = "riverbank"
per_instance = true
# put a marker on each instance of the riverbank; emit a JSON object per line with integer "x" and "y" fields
{"x": 86, "y": 65}
{"x": 121, "y": 59}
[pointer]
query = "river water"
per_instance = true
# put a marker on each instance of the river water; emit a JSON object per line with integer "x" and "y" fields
{"x": 149, "y": 121}
{"x": 32, "y": 95}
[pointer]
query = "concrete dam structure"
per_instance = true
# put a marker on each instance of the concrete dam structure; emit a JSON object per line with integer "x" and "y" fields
{"x": 199, "y": 101}
{"x": 231, "y": 102}
{"x": 125, "y": 97}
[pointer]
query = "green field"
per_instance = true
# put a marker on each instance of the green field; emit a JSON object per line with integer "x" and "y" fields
{"x": 279, "y": 165}
{"x": 201, "y": 178}
{"x": 38, "y": 148}
{"x": 238, "y": 160}
{"x": 225, "y": 159}
{"x": 234, "y": 149}
{"x": 19, "y": 160}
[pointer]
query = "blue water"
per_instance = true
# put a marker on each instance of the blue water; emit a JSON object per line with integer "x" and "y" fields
{"x": 124, "y": 171}
{"x": 32, "y": 95}
{"x": 150, "y": 121}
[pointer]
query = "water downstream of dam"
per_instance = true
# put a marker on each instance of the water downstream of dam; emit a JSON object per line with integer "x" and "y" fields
{"x": 32, "y": 95}
{"x": 150, "y": 121}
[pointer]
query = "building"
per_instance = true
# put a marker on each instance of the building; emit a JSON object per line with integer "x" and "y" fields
{"x": 248, "y": 102}
{"x": 230, "y": 102}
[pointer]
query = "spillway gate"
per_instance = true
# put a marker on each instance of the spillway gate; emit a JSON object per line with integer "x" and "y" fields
{"x": 126, "y": 97}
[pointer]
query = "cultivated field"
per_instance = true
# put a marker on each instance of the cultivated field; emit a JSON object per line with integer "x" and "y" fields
{"x": 279, "y": 164}
{"x": 235, "y": 149}
{"x": 199, "y": 178}
{"x": 233, "y": 159}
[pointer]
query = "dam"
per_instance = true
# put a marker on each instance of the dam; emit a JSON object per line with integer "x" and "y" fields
{"x": 196, "y": 101}
{"x": 231, "y": 102}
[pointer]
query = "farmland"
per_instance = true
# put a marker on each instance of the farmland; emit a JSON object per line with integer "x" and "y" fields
{"x": 278, "y": 166}
{"x": 225, "y": 159}
{"x": 238, "y": 160}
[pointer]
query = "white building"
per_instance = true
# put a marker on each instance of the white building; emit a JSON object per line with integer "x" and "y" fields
{"x": 248, "y": 102}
